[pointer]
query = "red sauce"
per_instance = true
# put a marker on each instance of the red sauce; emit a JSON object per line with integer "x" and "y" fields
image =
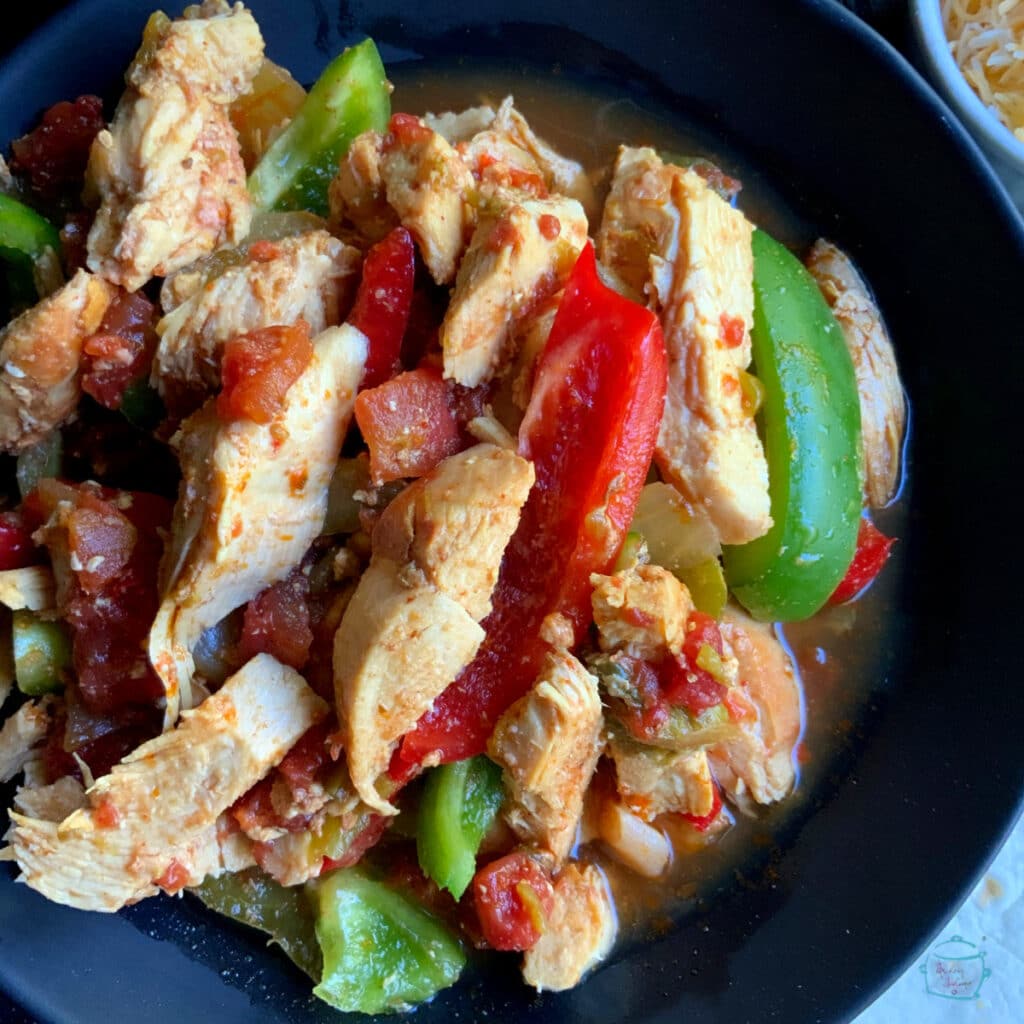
{"x": 107, "y": 815}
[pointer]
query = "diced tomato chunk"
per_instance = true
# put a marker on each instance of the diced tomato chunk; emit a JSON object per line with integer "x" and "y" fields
{"x": 54, "y": 154}
{"x": 174, "y": 879}
{"x": 406, "y": 130}
{"x": 17, "y": 549}
{"x": 106, "y": 548}
{"x": 121, "y": 350}
{"x": 276, "y": 622}
{"x": 258, "y": 368}
{"x": 686, "y": 685}
{"x": 872, "y": 553}
{"x": 408, "y": 425}
{"x": 513, "y": 898}
{"x": 683, "y": 682}
{"x": 367, "y": 839}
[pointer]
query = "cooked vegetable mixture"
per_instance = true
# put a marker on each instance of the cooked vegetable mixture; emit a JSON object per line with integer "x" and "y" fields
{"x": 398, "y": 514}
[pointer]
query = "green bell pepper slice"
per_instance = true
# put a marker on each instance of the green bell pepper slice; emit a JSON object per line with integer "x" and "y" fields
{"x": 42, "y": 653}
{"x": 350, "y": 97}
{"x": 381, "y": 951}
{"x": 811, "y": 425}
{"x": 459, "y": 804}
{"x": 30, "y": 251}
{"x": 284, "y": 913}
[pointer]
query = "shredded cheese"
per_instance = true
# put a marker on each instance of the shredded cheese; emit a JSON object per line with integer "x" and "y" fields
{"x": 986, "y": 39}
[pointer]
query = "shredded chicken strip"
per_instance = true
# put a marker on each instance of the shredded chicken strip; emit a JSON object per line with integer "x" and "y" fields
{"x": 154, "y": 818}
{"x": 168, "y": 172}
{"x": 40, "y": 353}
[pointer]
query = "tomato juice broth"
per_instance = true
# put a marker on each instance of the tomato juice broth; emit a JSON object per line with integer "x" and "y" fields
{"x": 841, "y": 652}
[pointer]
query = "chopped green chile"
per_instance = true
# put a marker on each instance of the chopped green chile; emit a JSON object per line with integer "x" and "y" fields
{"x": 633, "y": 553}
{"x": 684, "y": 731}
{"x": 706, "y": 584}
{"x": 811, "y": 427}
{"x": 40, "y": 461}
{"x": 380, "y": 951}
{"x": 141, "y": 406}
{"x": 285, "y": 913}
{"x": 711, "y": 662}
{"x": 459, "y": 804}
{"x": 42, "y": 653}
{"x": 350, "y": 97}
{"x": 350, "y": 476}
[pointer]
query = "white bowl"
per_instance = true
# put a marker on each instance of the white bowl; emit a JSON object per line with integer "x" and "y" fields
{"x": 1004, "y": 150}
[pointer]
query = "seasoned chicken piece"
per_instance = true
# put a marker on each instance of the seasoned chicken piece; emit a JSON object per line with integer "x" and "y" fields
{"x": 518, "y": 254}
{"x": 668, "y": 235}
{"x": 304, "y": 276}
{"x": 412, "y": 624}
{"x": 410, "y": 176}
{"x": 652, "y": 781}
{"x": 357, "y": 194}
{"x": 399, "y": 645}
{"x": 760, "y": 760}
{"x": 168, "y": 172}
{"x": 428, "y": 186}
{"x": 153, "y": 820}
{"x": 460, "y": 127}
{"x": 453, "y": 525}
{"x": 53, "y": 802}
{"x": 548, "y": 743}
{"x": 39, "y": 360}
{"x": 30, "y": 588}
{"x": 579, "y": 933}
{"x": 883, "y": 410}
{"x": 253, "y": 497}
{"x": 641, "y": 612}
{"x": 21, "y": 734}
{"x": 507, "y": 139}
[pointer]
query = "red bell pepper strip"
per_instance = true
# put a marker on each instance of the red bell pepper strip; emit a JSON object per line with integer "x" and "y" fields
{"x": 702, "y": 822}
{"x": 871, "y": 555}
{"x": 382, "y": 305}
{"x": 590, "y": 431}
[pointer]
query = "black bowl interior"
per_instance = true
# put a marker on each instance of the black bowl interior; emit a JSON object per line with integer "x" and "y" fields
{"x": 910, "y": 814}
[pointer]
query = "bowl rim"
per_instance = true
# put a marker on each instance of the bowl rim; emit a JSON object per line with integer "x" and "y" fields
{"x": 931, "y": 35}
{"x": 24, "y": 59}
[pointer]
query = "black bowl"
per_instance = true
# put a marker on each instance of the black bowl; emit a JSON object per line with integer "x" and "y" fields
{"x": 894, "y": 835}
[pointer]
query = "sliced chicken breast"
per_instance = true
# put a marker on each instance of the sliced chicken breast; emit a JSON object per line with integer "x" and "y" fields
{"x": 668, "y": 236}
